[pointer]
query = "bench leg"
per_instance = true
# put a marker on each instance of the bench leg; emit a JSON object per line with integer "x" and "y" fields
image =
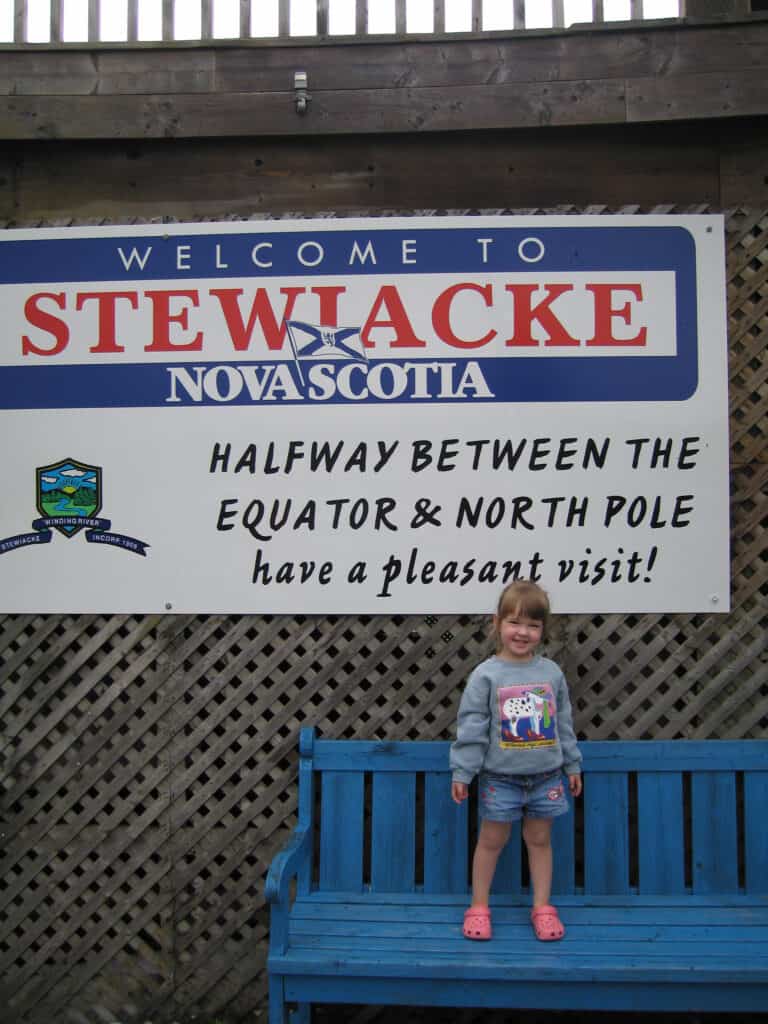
{"x": 278, "y": 1011}
{"x": 302, "y": 1014}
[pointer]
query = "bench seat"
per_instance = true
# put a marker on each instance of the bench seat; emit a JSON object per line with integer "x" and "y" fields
{"x": 698, "y": 955}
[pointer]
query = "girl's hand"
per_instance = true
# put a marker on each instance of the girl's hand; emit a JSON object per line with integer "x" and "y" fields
{"x": 459, "y": 792}
{"x": 574, "y": 785}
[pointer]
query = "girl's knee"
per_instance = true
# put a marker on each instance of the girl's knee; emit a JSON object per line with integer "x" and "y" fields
{"x": 493, "y": 836}
{"x": 537, "y": 831}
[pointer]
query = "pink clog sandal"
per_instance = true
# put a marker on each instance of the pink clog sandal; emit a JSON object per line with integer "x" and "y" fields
{"x": 546, "y": 924}
{"x": 477, "y": 923}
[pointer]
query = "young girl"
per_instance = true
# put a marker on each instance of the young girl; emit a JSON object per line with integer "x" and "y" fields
{"x": 515, "y": 729}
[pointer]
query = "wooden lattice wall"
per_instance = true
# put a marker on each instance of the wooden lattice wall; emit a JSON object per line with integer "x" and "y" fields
{"x": 148, "y": 761}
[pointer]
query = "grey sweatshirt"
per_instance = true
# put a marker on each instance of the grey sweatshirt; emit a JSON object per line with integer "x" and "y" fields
{"x": 514, "y": 719}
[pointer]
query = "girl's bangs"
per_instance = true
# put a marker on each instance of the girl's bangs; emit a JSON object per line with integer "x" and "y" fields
{"x": 529, "y": 604}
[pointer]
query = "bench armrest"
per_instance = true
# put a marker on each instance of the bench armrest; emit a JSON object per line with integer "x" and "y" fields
{"x": 287, "y": 864}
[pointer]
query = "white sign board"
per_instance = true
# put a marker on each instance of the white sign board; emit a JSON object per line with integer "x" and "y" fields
{"x": 364, "y": 416}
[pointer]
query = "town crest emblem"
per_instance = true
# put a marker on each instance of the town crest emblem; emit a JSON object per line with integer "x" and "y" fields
{"x": 68, "y": 491}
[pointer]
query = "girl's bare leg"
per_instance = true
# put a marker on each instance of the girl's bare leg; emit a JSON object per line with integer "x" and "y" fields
{"x": 537, "y": 833}
{"x": 491, "y": 841}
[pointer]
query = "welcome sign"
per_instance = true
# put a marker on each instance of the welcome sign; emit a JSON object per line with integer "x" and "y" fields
{"x": 397, "y": 414}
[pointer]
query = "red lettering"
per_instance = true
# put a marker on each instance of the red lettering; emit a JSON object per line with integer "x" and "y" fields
{"x": 329, "y": 303}
{"x": 605, "y": 312}
{"x": 46, "y": 322}
{"x": 525, "y": 314}
{"x": 441, "y": 315}
{"x": 162, "y": 318}
{"x": 107, "y": 302}
{"x": 405, "y": 336}
{"x": 261, "y": 312}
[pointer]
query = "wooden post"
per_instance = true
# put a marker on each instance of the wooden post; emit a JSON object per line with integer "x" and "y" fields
{"x": 206, "y": 19}
{"x": 519, "y": 14}
{"x": 438, "y": 24}
{"x": 167, "y": 29}
{"x": 57, "y": 21}
{"x": 400, "y": 20}
{"x": 133, "y": 21}
{"x": 94, "y": 26}
{"x": 361, "y": 17}
{"x": 245, "y": 19}
{"x": 322, "y": 18}
{"x": 20, "y": 33}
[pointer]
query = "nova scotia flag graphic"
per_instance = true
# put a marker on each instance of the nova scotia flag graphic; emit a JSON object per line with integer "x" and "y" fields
{"x": 310, "y": 342}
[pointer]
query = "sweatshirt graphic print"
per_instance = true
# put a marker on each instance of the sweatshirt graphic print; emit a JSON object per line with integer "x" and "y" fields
{"x": 527, "y": 716}
{"x": 514, "y": 719}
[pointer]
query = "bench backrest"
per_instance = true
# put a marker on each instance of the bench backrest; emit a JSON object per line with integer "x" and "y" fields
{"x": 680, "y": 816}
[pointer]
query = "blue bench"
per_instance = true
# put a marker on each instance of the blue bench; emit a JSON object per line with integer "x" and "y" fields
{"x": 661, "y": 877}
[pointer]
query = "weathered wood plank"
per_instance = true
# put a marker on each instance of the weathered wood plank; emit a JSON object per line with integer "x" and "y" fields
{"x": 239, "y": 176}
{"x": 198, "y": 113}
{"x": 625, "y": 54}
{"x": 743, "y": 170}
{"x": 734, "y": 93}
{"x": 207, "y": 115}
{"x": 665, "y": 53}
{"x": 8, "y": 191}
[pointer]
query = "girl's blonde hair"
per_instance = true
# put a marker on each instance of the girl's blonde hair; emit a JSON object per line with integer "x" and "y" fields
{"x": 522, "y": 597}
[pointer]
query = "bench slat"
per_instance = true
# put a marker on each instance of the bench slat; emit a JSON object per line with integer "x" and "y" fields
{"x": 393, "y": 833}
{"x": 599, "y": 755}
{"x": 606, "y": 840}
{"x": 341, "y": 831}
{"x": 563, "y": 844}
{"x": 661, "y": 854}
{"x": 509, "y": 867}
{"x": 627, "y": 938}
{"x": 738, "y": 910}
{"x": 714, "y": 832}
{"x": 448, "y": 990}
{"x": 446, "y": 851}
{"x": 755, "y": 831}
{"x": 569, "y": 965}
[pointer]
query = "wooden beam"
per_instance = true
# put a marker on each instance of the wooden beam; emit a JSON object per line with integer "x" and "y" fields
{"x": 614, "y": 166}
{"x": 710, "y": 71}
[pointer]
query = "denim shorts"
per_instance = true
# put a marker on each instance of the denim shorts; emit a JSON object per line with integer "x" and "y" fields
{"x": 511, "y": 797}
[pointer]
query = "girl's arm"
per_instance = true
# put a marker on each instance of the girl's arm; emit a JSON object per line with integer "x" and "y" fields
{"x": 568, "y": 743}
{"x": 472, "y": 730}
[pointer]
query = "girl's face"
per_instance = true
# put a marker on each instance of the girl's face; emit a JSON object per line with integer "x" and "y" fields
{"x": 519, "y": 636}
